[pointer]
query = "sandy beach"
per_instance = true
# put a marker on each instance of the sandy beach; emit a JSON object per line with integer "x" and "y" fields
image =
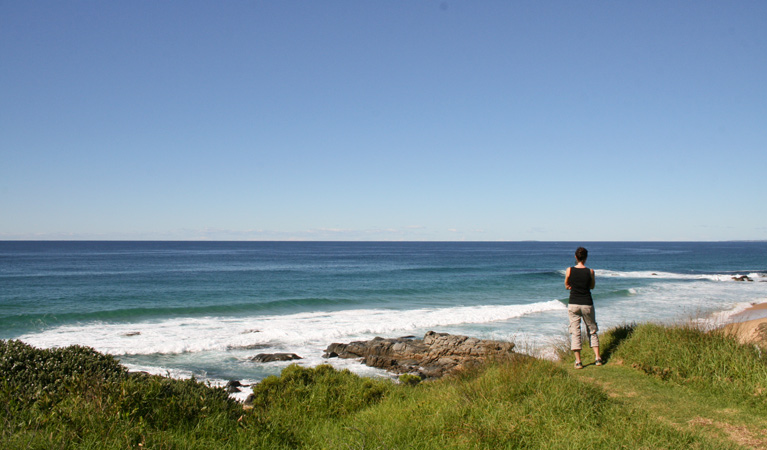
{"x": 750, "y": 326}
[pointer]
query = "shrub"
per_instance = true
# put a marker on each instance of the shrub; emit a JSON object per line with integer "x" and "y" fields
{"x": 409, "y": 379}
{"x": 47, "y": 374}
{"x": 318, "y": 392}
{"x": 289, "y": 409}
{"x": 74, "y": 397}
{"x": 165, "y": 403}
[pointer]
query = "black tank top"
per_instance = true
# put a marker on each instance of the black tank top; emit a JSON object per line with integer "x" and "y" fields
{"x": 580, "y": 286}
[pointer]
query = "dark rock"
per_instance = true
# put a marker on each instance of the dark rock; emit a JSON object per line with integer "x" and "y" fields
{"x": 272, "y": 357}
{"x": 233, "y": 386}
{"x": 742, "y": 278}
{"x": 435, "y": 355}
{"x": 132, "y": 333}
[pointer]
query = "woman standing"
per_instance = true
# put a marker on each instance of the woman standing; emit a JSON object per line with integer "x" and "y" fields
{"x": 580, "y": 280}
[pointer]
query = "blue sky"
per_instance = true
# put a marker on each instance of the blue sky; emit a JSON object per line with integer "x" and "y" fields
{"x": 383, "y": 120}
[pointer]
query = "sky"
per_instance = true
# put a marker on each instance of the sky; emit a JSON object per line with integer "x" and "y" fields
{"x": 383, "y": 120}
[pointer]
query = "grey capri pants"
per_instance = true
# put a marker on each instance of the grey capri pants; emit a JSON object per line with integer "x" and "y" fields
{"x": 575, "y": 313}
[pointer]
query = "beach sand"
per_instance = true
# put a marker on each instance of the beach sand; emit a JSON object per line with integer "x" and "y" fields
{"x": 750, "y": 326}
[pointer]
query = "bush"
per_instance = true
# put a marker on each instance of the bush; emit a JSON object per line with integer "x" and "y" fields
{"x": 74, "y": 397}
{"x": 320, "y": 392}
{"x": 47, "y": 374}
{"x": 289, "y": 409}
{"x": 165, "y": 403}
{"x": 409, "y": 379}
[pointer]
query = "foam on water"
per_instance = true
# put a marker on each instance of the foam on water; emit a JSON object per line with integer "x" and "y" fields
{"x": 719, "y": 318}
{"x": 182, "y": 335}
{"x": 676, "y": 276}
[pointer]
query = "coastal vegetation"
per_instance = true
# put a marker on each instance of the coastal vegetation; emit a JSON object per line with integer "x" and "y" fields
{"x": 667, "y": 387}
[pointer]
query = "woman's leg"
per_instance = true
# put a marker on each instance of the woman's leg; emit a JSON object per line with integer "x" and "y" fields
{"x": 589, "y": 319}
{"x": 573, "y": 314}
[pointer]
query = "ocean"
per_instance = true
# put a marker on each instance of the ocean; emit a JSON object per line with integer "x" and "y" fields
{"x": 204, "y": 309}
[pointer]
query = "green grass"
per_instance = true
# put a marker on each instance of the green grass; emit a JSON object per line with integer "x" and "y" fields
{"x": 525, "y": 403}
{"x": 711, "y": 362}
{"x": 662, "y": 387}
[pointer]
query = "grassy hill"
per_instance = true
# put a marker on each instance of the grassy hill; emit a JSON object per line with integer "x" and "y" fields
{"x": 662, "y": 387}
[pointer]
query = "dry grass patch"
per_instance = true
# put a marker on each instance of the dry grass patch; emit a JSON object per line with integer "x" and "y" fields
{"x": 739, "y": 434}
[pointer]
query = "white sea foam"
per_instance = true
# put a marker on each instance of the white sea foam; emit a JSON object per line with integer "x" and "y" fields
{"x": 279, "y": 332}
{"x": 719, "y": 318}
{"x": 675, "y": 276}
{"x": 675, "y": 301}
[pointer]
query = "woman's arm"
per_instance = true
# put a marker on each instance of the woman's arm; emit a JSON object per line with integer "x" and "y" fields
{"x": 567, "y": 278}
{"x": 593, "y": 279}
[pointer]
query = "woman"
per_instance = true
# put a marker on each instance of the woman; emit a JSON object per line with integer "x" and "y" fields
{"x": 579, "y": 280}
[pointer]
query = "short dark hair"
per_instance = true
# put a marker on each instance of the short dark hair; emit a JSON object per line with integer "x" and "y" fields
{"x": 581, "y": 254}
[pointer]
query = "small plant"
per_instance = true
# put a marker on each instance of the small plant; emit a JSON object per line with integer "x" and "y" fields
{"x": 409, "y": 379}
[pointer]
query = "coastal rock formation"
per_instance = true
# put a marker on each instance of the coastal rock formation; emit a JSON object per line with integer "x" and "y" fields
{"x": 742, "y": 278}
{"x": 272, "y": 357}
{"x": 233, "y": 386}
{"x": 433, "y": 356}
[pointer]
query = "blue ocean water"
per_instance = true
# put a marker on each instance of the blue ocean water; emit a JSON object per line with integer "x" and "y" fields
{"x": 205, "y": 308}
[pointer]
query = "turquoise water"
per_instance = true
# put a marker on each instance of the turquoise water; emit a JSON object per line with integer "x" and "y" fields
{"x": 205, "y": 308}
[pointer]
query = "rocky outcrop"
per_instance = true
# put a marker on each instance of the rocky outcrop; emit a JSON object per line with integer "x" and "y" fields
{"x": 435, "y": 355}
{"x": 233, "y": 386}
{"x": 742, "y": 278}
{"x": 272, "y": 357}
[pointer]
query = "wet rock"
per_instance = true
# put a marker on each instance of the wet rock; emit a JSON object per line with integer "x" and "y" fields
{"x": 272, "y": 357}
{"x": 434, "y": 356}
{"x": 233, "y": 386}
{"x": 742, "y": 278}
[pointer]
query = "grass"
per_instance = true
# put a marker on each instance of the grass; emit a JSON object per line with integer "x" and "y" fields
{"x": 711, "y": 362}
{"x": 662, "y": 387}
